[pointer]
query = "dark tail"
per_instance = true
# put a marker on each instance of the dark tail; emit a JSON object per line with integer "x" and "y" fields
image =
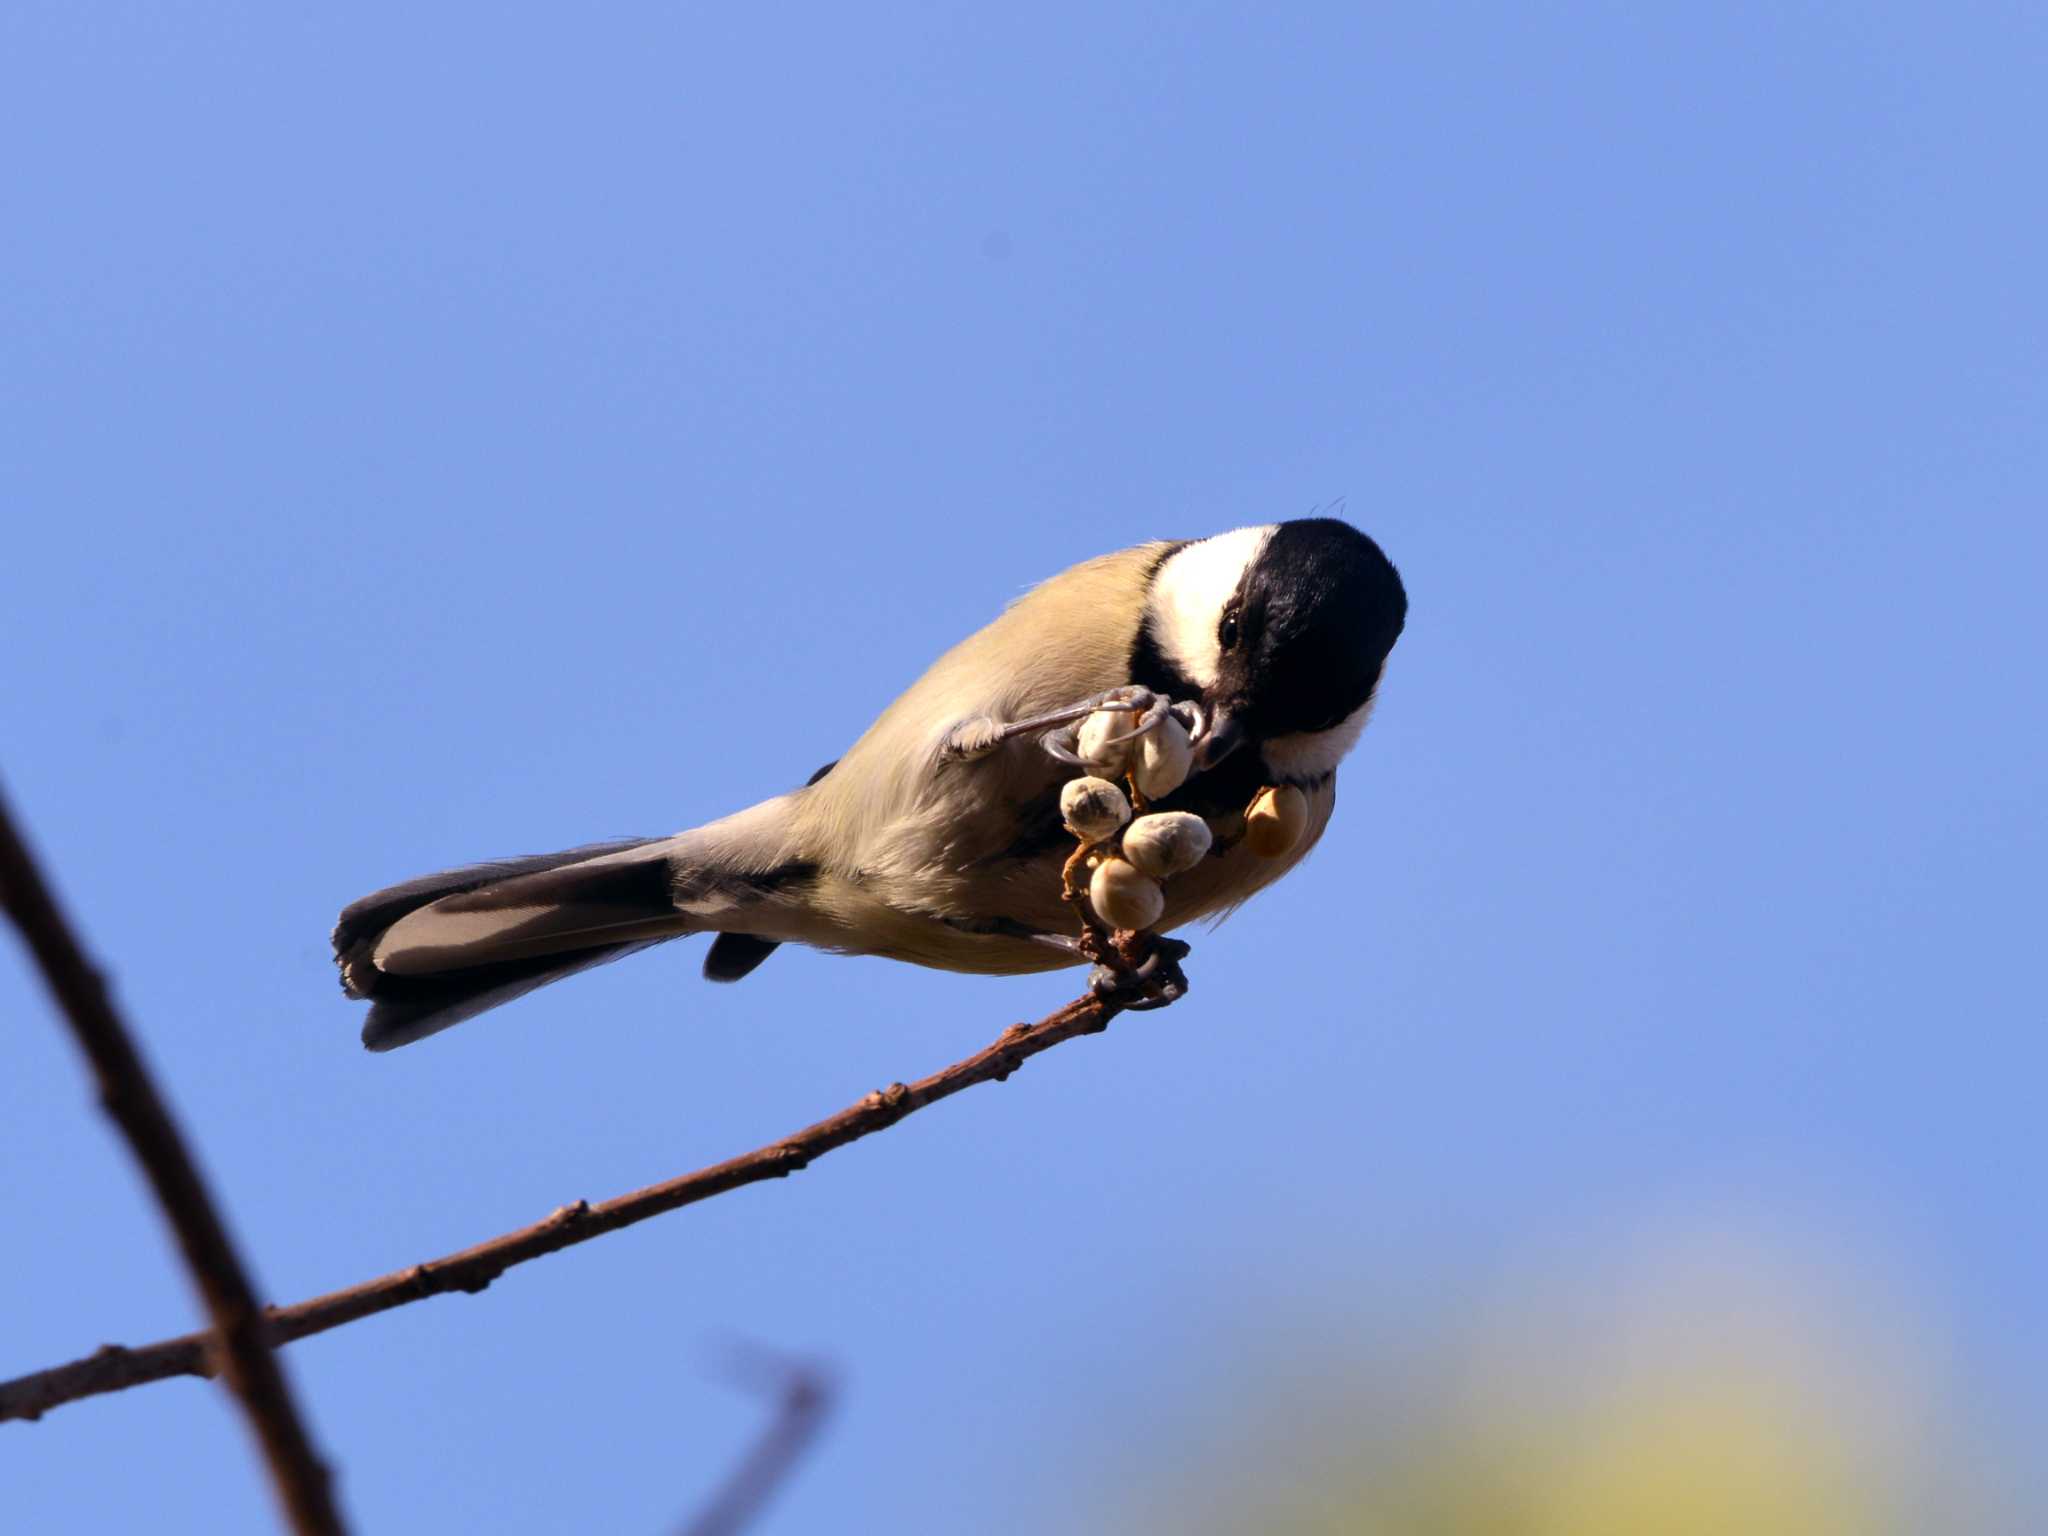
{"x": 443, "y": 948}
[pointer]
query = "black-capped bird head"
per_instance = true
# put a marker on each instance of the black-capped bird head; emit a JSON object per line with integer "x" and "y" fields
{"x": 1282, "y": 631}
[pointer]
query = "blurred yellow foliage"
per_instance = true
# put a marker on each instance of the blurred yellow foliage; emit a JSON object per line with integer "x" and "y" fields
{"x": 1715, "y": 1391}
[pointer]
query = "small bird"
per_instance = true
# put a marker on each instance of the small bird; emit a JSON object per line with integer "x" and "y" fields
{"x": 938, "y": 837}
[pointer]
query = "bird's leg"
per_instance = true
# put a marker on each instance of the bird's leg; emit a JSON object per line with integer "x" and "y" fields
{"x": 983, "y": 734}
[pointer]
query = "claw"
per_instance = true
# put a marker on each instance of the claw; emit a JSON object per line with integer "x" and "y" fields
{"x": 1155, "y": 711}
{"x": 982, "y": 735}
{"x": 1161, "y": 973}
{"x": 1132, "y": 696}
{"x": 1062, "y": 742}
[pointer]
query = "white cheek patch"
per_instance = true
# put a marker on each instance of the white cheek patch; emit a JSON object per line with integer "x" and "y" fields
{"x": 1312, "y": 754}
{"x": 1188, "y": 596}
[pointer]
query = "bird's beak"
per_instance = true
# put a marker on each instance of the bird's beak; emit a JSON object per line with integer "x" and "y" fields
{"x": 1224, "y": 736}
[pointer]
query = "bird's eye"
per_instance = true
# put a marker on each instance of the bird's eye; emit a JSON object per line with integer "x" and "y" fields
{"x": 1227, "y": 634}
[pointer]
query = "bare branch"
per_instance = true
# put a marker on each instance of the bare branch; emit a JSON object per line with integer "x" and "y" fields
{"x": 803, "y": 1398}
{"x": 130, "y": 1097}
{"x": 114, "y": 1368}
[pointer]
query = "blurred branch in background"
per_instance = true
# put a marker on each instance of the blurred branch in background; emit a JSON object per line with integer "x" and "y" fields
{"x": 803, "y": 1396}
{"x": 239, "y": 1339}
{"x": 115, "y": 1368}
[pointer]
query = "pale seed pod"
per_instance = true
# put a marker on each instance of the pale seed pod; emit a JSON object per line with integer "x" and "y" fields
{"x": 1275, "y": 821}
{"x": 1166, "y": 843}
{"x": 1094, "y": 747}
{"x": 1160, "y": 764}
{"x": 1093, "y": 809}
{"x": 1124, "y": 898}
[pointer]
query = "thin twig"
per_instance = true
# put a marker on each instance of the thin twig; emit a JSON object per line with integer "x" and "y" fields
{"x": 114, "y": 1368}
{"x": 803, "y": 1398}
{"x": 130, "y": 1097}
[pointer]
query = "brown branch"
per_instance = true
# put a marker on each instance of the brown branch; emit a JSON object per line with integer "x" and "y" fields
{"x": 130, "y": 1097}
{"x": 803, "y": 1398}
{"x": 114, "y": 1368}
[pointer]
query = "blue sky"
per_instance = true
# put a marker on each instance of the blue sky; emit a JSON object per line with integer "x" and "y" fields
{"x": 426, "y": 437}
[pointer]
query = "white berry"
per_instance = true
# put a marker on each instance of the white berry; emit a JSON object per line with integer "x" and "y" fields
{"x": 1095, "y": 748}
{"x": 1124, "y": 898}
{"x": 1160, "y": 764}
{"x": 1093, "y": 809}
{"x": 1167, "y": 843}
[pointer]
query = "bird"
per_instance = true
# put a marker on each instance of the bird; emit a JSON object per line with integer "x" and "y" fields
{"x": 937, "y": 837}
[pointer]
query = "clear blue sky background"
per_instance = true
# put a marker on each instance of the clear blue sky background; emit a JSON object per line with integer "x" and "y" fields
{"x": 427, "y": 435}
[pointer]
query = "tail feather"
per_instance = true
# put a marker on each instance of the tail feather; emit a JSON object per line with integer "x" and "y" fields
{"x": 363, "y": 922}
{"x": 409, "y": 1008}
{"x": 434, "y": 951}
{"x": 443, "y": 948}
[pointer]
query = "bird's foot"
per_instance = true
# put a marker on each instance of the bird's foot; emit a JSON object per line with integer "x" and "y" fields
{"x": 1063, "y": 728}
{"x": 1140, "y": 971}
